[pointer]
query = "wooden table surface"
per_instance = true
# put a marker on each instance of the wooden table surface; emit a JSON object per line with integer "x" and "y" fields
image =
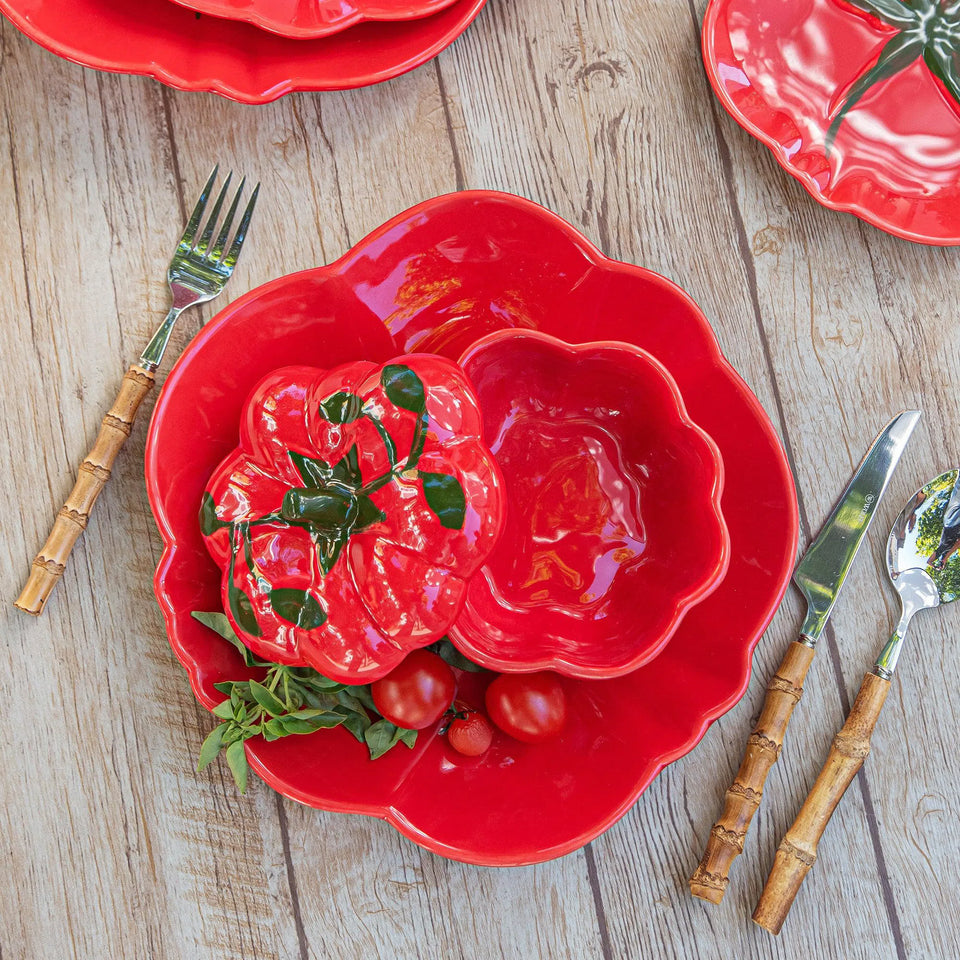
{"x": 113, "y": 846}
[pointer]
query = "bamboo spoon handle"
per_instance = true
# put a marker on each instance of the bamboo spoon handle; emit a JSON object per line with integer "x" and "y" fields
{"x": 798, "y": 851}
{"x": 49, "y": 563}
{"x": 725, "y": 844}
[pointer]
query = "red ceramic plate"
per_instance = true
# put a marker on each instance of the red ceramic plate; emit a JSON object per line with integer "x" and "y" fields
{"x": 865, "y": 128}
{"x": 613, "y": 501}
{"x": 161, "y": 39}
{"x": 435, "y": 279}
{"x": 314, "y": 18}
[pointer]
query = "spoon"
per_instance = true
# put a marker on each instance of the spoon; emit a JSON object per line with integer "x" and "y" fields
{"x": 923, "y": 560}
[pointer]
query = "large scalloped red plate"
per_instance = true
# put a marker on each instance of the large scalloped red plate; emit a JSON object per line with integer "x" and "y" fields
{"x": 434, "y": 279}
{"x": 160, "y": 39}
{"x": 316, "y": 18}
{"x": 779, "y": 69}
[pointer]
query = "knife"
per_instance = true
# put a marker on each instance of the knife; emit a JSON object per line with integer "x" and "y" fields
{"x": 819, "y": 576}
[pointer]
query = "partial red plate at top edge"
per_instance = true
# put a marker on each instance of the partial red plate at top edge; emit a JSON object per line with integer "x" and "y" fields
{"x": 800, "y": 78}
{"x": 163, "y": 40}
{"x": 435, "y": 279}
{"x": 315, "y": 18}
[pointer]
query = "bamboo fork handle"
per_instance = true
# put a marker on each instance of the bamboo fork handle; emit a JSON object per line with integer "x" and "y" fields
{"x": 49, "y": 563}
{"x": 798, "y": 851}
{"x": 725, "y": 843}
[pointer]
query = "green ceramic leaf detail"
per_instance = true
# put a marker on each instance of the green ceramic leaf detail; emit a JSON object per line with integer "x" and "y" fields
{"x": 899, "y": 52}
{"x": 314, "y": 473}
{"x": 209, "y": 522}
{"x": 241, "y": 606}
{"x": 944, "y": 64}
{"x": 347, "y": 470}
{"x": 298, "y": 607}
{"x": 403, "y": 388}
{"x": 894, "y": 12}
{"x": 367, "y": 513}
{"x": 445, "y": 498}
{"x": 341, "y": 408}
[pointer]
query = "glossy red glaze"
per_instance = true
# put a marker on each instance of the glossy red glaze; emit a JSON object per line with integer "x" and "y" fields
{"x": 385, "y": 585}
{"x": 320, "y": 18}
{"x": 434, "y": 279}
{"x": 613, "y": 500}
{"x": 780, "y": 70}
{"x": 160, "y": 39}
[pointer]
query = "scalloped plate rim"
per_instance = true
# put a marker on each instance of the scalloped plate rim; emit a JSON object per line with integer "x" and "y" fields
{"x": 709, "y": 33}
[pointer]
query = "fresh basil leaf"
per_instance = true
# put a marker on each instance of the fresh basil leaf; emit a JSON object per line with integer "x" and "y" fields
{"x": 383, "y": 735}
{"x": 357, "y": 722}
{"x": 224, "y": 710}
{"x": 298, "y": 607}
{"x": 209, "y": 521}
{"x": 313, "y": 472}
{"x": 445, "y": 649}
{"x": 341, "y": 407}
{"x": 360, "y": 694}
{"x": 445, "y": 498}
{"x": 273, "y": 730}
{"x": 211, "y": 746}
{"x": 269, "y": 701}
{"x": 295, "y": 725}
{"x": 237, "y": 761}
{"x": 403, "y": 388}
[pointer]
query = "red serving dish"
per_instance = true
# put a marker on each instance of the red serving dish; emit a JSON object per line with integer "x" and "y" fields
{"x": 879, "y": 142}
{"x": 160, "y": 39}
{"x": 317, "y": 18}
{"x": 613, "y": 526}
{"x": 435, "y": 279}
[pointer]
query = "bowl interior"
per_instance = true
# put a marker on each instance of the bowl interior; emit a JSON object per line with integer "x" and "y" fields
{"x": 613, "y": 501}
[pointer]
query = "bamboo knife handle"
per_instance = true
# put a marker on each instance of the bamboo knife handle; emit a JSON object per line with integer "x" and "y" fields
{"x": 49, "y": 563}
{"x": 798, "y": 851}
{"x": 725, "y": 843}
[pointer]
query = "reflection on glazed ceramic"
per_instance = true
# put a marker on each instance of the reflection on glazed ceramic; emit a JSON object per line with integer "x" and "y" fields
{"x": 349, "y": 518}
{"x": 860, "y": 99}
{"x": 612, "y": 504}
{"x": 306, "y": 19}
{"x": 519, "y": 805}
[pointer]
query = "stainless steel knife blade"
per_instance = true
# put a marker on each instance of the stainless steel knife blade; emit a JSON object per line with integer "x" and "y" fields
{"x": 823, "y": 569}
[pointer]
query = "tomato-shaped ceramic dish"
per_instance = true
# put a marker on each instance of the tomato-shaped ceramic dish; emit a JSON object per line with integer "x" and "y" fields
{"x": 161, "y": 39}
{"x": 858, "y": 99}
{"x": 434, "y": 280}
{"x": 310, "y": 19}
{"x": 614, "y": 526}
{"x": 347, "y": 522}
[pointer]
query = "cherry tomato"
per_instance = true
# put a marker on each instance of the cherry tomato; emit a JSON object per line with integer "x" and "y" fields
{"x": 528, "y": 706}
{"x": 470, "y": 735}
{"x": 417, "y": 692}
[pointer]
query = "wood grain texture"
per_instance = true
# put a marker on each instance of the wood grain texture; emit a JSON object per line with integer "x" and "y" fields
{"x": 598, "y": 109}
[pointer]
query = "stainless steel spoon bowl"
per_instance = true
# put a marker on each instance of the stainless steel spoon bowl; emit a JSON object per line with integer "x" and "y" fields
{"x": 923, "y": 558}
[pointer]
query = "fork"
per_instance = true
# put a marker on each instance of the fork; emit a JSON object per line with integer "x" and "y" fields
{"x": 198, "y": 272}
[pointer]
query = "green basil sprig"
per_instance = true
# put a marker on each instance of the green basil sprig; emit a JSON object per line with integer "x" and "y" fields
{"x": 288, "y": 700}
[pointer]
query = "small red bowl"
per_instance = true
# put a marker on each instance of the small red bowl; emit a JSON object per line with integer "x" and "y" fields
{"x": 613, "y": 527}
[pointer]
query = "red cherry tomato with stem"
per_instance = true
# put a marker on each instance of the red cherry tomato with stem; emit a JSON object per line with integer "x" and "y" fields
{"x": 417, "y": 692}
{"x": 531, "y": 707}
{"x": 470, "y": 734}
